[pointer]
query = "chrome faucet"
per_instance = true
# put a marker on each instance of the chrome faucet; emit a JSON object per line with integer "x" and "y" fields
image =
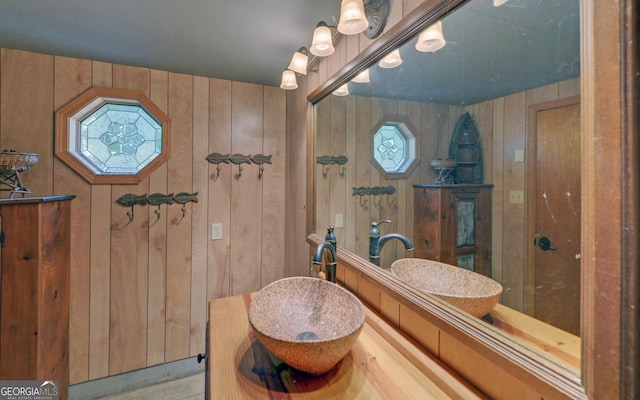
{"x": 328, "y": 244}
{"x": 376, "y": 241}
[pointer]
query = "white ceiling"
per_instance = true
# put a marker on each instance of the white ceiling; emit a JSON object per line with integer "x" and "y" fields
{"x": 241, "y": 40}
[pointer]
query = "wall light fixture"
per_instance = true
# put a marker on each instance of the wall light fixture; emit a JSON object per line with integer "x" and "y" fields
{"x": 322, "y": 43}
{"x": 431, "y": 39}
{"x": 391, "y": 60}
{"x": 288, "y": 80}
{"x": 299, "y": 61}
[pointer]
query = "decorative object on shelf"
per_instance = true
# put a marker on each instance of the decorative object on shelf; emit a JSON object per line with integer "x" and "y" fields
{"x": 376, "y": 192}
{"x": 11, "y": 164}
{"x": 239, "y": 159}
{"x": 156, "y": 199}
{"x": 466, "y": 149}
{"x": 328, "y": 160}
{"x": 446, "y": 171}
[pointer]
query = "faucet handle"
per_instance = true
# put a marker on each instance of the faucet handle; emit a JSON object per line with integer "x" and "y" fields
{"x": 375, "y": 232}
{"x": 374, "y": 224}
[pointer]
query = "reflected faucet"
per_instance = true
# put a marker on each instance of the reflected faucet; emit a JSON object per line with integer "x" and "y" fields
{"x": 376, "y": 241}
{"x": 328, "y": 244}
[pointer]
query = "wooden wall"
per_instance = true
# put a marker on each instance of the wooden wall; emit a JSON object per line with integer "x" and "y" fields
{"x": 139, "y": 290}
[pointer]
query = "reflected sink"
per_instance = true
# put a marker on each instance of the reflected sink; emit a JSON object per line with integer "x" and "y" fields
{"x": 308, "y": 323}
{"x": 469, "y": 291}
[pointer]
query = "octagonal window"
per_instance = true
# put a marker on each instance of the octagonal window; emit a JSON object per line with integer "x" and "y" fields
{"x": 112, "y": 136}
{"x": 394, "y": 149}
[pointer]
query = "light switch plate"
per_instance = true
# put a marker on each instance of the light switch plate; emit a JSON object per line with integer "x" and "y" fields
{"x": 216, "y": 231}
{"x": 339, "y": 221}
{"x": 516, "y": 196}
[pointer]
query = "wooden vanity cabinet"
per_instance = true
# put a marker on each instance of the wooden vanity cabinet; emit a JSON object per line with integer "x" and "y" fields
{"x": 34, "y": 289}
{"x": 453, "y": 225}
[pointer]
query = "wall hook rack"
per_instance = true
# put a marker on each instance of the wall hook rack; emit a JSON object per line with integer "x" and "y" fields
{"x": 239, "y": 160}
{"x": 156, "y": 199}
{"x": 376, "y": 192}
{"x": 328, "y": 160}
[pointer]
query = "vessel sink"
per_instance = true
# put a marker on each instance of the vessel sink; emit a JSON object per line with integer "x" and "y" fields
{"x": 469, "y": 291}
{"x": 308, "y": 323}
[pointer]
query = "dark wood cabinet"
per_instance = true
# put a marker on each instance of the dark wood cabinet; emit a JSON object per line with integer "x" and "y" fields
{"x": 453, "y": 225}
{"x": 34, "y": 289}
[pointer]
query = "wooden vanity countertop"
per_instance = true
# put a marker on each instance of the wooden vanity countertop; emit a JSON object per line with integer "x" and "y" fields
{"x": 240, "y": 368}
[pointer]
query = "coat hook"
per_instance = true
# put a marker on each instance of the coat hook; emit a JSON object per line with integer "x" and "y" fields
{"x": 130, "y": 214}
{"x": 343, "y": 170}
{"x": 377, "y": 204}
{"x": 240, "y": 159}
{"x": 130, "y": 200}
{"x": 392, "y": 204}
{"x": 363, "y": 202}
{"x": 325, "y": 170}
{"x": 217, "y": 158}
{"x": 261, "y": 159}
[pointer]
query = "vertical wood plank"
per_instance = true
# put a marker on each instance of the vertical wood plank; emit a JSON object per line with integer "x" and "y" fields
{"x": 513, "y": 216}
{"x": 199, "y": 228}
{"x": 156, "y": 299}
{"x": 26, "y": 104}
{"x": 72, "y": 77}
{"x": 129, "y": 259}
{"x": 219, "y": 207}
{"x": 178, "y": 318}
{"x": 246, "y": 194}
{"x": 273, "y": 185}
{"x": 100, "y": 283}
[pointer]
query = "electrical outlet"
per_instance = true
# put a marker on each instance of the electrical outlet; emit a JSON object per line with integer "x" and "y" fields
{"x": 339, "y": 221}
{"x": 516, "y": 196}
{"x": 216, "y": 231}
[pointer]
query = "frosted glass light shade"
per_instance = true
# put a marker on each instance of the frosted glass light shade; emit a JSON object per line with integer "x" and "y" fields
{"x": 391, "y": 60}
{"x": 342, "y": 90}
{"x": 288, "y": 80}
{"x": 299, "y": 61}
{"x": 431, "y": 39}
{"x": 498, "y": 3}
{"x": 362, "y": 77}
{"x": 353, "y": 20}
{"x": 322, "y": 44}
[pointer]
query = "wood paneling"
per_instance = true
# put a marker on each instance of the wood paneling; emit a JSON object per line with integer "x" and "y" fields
{"x": 139, "y": 289}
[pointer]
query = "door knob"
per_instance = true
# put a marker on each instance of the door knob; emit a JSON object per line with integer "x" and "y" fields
{"x": 544, "y": 243}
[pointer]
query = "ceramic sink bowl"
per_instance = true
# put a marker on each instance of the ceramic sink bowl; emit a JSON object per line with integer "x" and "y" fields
{"x": 308, "y": 323}
{"x": 469, "y": 291}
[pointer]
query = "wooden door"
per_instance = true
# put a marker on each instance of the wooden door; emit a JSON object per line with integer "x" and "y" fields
{"x": 556, "y": 233}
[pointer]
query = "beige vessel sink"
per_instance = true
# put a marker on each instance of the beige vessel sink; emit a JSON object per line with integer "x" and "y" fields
{"x": 471, "y": 292}
{"x": 308, "y": 323}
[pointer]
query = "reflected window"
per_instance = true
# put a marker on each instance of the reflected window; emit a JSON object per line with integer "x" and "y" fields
{"x": 394, "y": 149}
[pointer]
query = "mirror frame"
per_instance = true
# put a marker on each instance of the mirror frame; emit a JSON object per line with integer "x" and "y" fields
{"x": 611, "y": 278}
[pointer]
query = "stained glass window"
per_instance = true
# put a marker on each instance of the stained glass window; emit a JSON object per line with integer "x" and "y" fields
{"x": 394, "y": 148}
{"x": 112, "y": 136}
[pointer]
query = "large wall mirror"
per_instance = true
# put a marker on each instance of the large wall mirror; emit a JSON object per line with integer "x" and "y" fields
{"x": 514, "y": 71}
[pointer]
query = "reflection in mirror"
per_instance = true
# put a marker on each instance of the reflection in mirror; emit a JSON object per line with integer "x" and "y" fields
{"x": 515, "y": 70}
